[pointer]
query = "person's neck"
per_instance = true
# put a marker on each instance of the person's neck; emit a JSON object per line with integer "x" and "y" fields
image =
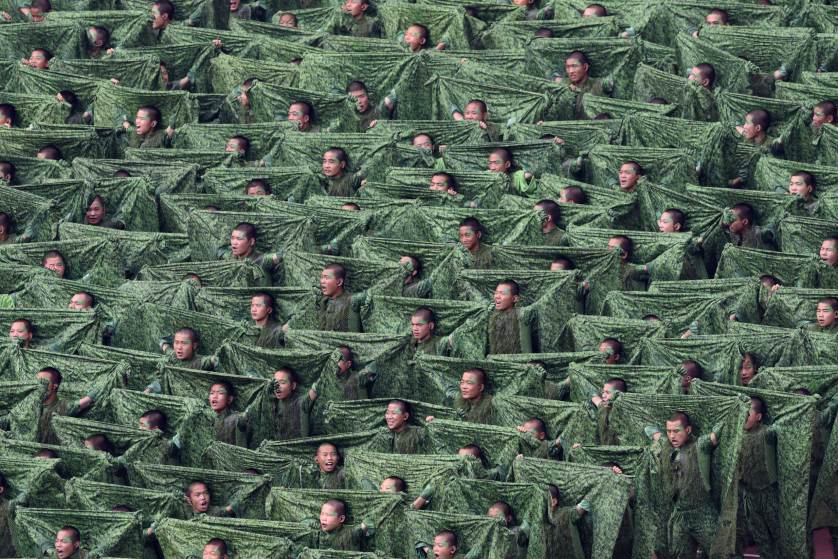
{"x": 263, "y": 321}
{"x": 475, "y": 248}
{"x": 336, "y": 294}
{"x": 424, "y": 339}
{"x": 359, "y": 17}
{"x": 400, "y": 428}
{"x": 244, "y": 256}
{"x": 336, "y": 177}
{"x": 581, "y": 81}
{"x": 221, "y": 413}
{"x": 51, "y": 399}
{"x": 474, "y": 400}
{"x": 759, "y": 138}
{"x": 548, "y": 227}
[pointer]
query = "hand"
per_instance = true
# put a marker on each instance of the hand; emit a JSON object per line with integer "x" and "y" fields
{"x": 373, "y": 123}
{"x": 576, "y": 445}
{"x": 740, "y": 130}
{"x": 183, "y": 83}
{"x": 285, "y": 328}
{"x": 170, "y": 132}
{"x": 482, "y": 124}
{"x": 733, "y": 316}
{"x": 695, "y": 34}
{"x": 616, "y": 470}
{"x": 519, "y": 456}
{"x": 775, "y": 287}
{"x": 110, "y": 51}
{"x": 656, "y": 436}
{"x": 5, "y": 15}
{"x": 457, "y": 115}
{"x": 441, "y": 46}
{"x": 558, "y": 140}
{"x": 558, "y": 79}
{"x": 217, "y": 43}
{"x": 735, "y": 182}
{"x": 779, "y": 75}
{"x": 312, "y": 394}
{"x": 164, "y": 346}
{"x": 389, "y": 103}
{"x": 596, "y": 400}
{"x": 527, "y": 175}
{"x": 687, "y": 333}
{"x": 429, "y": 419}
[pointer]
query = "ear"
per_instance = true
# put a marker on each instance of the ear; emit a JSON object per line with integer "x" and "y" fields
{"x": 432, "y": 325}
{"x": 342, "y": 518}
{"x": 688, "y": 430}
{"x": 677, "y": 227}
{"x": 516, "y": 298}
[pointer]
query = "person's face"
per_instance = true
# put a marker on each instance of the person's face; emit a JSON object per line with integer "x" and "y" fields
{"x": 330, "y": 285}
{"x": 345, "y": 362}
{"x": 287, "y": 20}
{"x": 738, "y": 225}
{"x": 52, "y": 388}
{"x": 354, "y": 8}
{"x": 285, "y": 387}
{"x": 64, "y": 544}
{"x": 95, "y": 212}
{"x": 439, "y": 183}
{"x": 497, "y": 164}
{"x": 557, "y": 266}
{"x": 819, "y": 118}
{"x": 330, "y": 520}
{"x": 36, "y": 14}
{"x": 79, "y": 302}
{"x": 470, "y": 386}
{"x": 474, "y": 111}
{"x": 38, "y": 60}
{"x": 563, "y": 199}
{"x": 199, "y": 497}
{"x": 667, "y": 225}
{"x": 825, "y": 315}
{"x": 327, "y": 458}
{"x": 158, "y": 20}
{"x": 695, "y": 76}
{"x": 749, "y": 129}
{"x": 332, "y": 166}
{"x": 423, "y": 141}
{"x": 234, "y": 5}
{"x": 240, "y": 245}
{"x": 443, "y": 548}
{"x": 628, "y": 177}
{"x": 686, "y": 380}
{"x": 164, "y": 73}
{"x": 534, "y": 428}
{"x": 235, "y": 145}
{"x": 421, "y": 328}
{"x": 297, "y": 113}
{"x": 212, "y": 551}
{"x": 362, "y": 100}
{"x": 677, "y": 433}
{"x": 219, "y": 398}
{"x": 614, "y": 244}
{"x": 414, "y": 38}
{"x": 576, "y": 70}
{"x": 144, "y": 122}
{"x": 468, "y": 452}
{"x": 608, "y": 392}
{"x": 747, "y": 371}
{"x": 55, "y": 264}
{"x": 798, "y": 187}
{"x": 829, "y": 252}
{"x": 522, "y": 3}
{"x": 145, "y": 425}
{"x": 5, "y": 121}
{"x": 259, "y": 310}
{"x": 256, "y": 190}
{"x": 754, "y": 418}
{"x": 183, "y": 346}
{"x": 388, "y": 486}
{"x": 395, "y": 417}
{"x": 611, "y": 356}
{"x": 469, "y": 238}
{"x": 714, "y": 19}
{"x": 591, "y": 11}
{"x": 504, "y": 298}
{"x": 18, "y": 330}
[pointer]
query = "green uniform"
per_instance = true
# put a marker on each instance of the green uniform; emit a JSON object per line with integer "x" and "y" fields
{"x": 154, "y": 139}
{"x": 343, "y": 186}
{"x": 694, "y": 517}
{"x": 508, "y": 333}
{"x": 482, "y": 258}
{"x": 606, "y": 436}
{"x": 345, "y": 538}
{"x": 479, "y": 411}
{"x": 328, "y": 480}
{"x": 759, "y": 496}
{"x": 79, "y": 554}
{"x": 7, "y": 548}
{"x": 290, "y": 417}
{"x": 336, "y": 314}
{"x": 213, "y": 510}
{"x": 418, "y": 289}
{"x": 353, "y": 386}
{"x": 815, "y": 327}
{"x": 753, "y": 237}
{"x": 197, "y": 362}
{"x": 562, "y": 532}
{"x": 230, "y": 428}
{"x": 553, "y": 238}
{"x": 634, "y": 277}
{"x": 271, "y": 335}
{"x": 428, "y": 347}
{"x": 590, "y": 85}
{"x": 411, "y": 440}
{"x": 58, "y": 407}
{"x": 365, "y": 26}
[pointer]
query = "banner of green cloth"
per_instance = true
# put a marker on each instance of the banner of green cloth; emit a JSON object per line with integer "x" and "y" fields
{"x": 57, "y": 330}
{"x": 383, "y": 511}
{"x": 513, "y": 34}
{"x": 153, "y": 504}
{"x": 102, "y": 533}
{"x": 187, "y": 539}
{"x": 80, "y": 463}
{"x": 732, "y": 73}
{"x": 699, "y": 314}
{"x": 586, "y": 332}
{"x": 242, "y": 491}
{"x": 34, "y": 482}
{"x": 790, "y": 307}
{"x": 607, "y": 493}
{"x": 71, "y": 142}
{"x": 130, "y": 444}
{"x": 481, "y": 535}
{"x": 449, "y": 25}
{"x": 366, "y": 415}
{"x": 34, "y": 218}
{"x": 168, "y": 176}
{"x": 215, "y": 273}
{"x": 790, "y": 417}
